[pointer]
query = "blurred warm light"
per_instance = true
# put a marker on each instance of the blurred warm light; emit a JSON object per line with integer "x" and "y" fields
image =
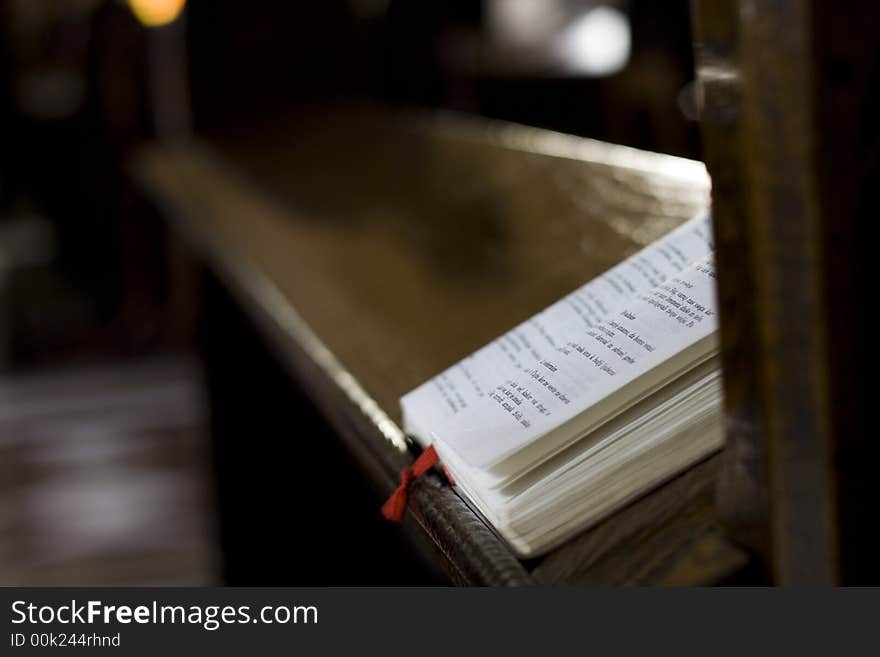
{"x": 590, "y": 38}
{"x": 154, "y": 13}
{"x": 525, "y": 22}
{"x": 597, "y": 43}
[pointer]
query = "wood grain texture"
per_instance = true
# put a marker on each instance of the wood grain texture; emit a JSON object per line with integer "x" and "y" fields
{"x": 416, "y": 230}
{"x": 742, "y": 488}
{"x": 104, "y": 478}
{"x": 791, "y": 91}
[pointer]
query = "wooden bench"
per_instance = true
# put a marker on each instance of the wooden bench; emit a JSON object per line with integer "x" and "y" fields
{"x": 370, "y": 250}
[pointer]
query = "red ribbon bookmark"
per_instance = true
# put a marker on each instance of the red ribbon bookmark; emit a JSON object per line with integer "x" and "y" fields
{"x": 395, "y": 507}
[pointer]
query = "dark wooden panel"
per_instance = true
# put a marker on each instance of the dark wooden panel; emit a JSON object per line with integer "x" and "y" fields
{"x": 742, "y": 489}
{"x": 791, "y": 131}
{"x": 103, "y": 477}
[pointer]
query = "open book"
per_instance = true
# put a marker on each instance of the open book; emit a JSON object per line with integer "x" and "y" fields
{"x": 588, "y": 404}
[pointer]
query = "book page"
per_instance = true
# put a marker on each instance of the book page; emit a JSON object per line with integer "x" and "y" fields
{"x": 594, "y": 371}
{"x": 469, "y": 382}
